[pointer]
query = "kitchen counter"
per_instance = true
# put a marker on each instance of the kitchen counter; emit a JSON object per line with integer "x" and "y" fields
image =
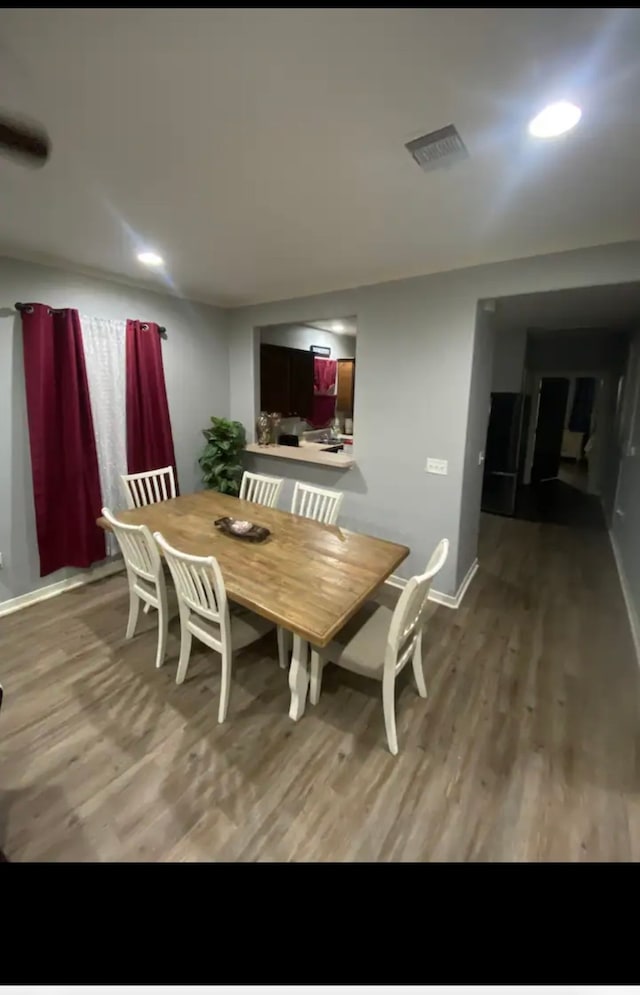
{"x": 306, "y": 452}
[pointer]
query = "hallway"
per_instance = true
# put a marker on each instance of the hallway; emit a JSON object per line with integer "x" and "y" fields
{"x": 567, "y": 685}
{"x": 526, "y": 748}
{"x": 558, "y": 502}
{"x": 575, "y": 473}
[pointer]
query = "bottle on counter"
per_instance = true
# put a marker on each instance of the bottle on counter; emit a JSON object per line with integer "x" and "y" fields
{"x": 263, "y": 428}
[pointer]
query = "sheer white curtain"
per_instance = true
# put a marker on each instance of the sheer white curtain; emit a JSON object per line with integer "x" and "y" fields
{"x": 104, "y": 342}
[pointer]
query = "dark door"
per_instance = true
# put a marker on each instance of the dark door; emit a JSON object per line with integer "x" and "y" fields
{"x": 301, "y": 382}
{"x": 552, "y": 409}
{"x": 501, "y": 454}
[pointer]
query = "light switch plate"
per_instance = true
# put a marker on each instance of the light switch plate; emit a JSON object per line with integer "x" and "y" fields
{"x": 440, "y": 466}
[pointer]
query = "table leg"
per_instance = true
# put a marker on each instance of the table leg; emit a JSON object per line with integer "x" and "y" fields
{"x": 299, "y": 677}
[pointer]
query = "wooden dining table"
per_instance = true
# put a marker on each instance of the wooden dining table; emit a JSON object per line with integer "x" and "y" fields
{"x": 306, "y": 577}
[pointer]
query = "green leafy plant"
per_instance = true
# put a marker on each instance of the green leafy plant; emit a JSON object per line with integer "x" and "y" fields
{"x": 220, "y": 459}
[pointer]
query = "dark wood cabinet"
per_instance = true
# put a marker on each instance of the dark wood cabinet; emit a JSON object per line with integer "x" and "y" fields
{"x": 346, "y": 385}
{"x": 286, "y": 380}
{"x": 274, "y": 378}
{"x": 301, "y": 382}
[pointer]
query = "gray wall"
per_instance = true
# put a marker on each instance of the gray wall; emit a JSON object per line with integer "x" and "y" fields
{"x": 196, "y": 369}
{"x": 477, "y": 424}
{"x": 303, "y": 337}
{"x": 508, "y": 359}
{"x": 612, "y": 452}
{"x": 625, "y": 526}
{"x": 416, "y": 348}
{"x": 415, "y": 357}
{"x": 412, "y": 340}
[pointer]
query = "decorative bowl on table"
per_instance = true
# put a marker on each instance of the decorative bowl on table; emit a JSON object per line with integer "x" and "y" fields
{"x": 241, "y": 529}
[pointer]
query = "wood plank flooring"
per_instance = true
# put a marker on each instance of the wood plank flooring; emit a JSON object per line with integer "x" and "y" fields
{"x": 526, "y": 749}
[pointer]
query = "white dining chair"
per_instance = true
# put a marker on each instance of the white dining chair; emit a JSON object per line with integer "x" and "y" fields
{"x": 260, "y": 489}
{"x": 322, "y": 505}
{"x": 318, "y": 503}
{"x": 149, "y": 487}
{"x": 377, "y": 642}
{"x": 145, "y": 576}
{"x": 204, "y": 613}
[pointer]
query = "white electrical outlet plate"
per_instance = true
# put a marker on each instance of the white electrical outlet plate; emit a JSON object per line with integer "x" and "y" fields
{"x": 437, "y": 466}
{"x": 1, "y": 563}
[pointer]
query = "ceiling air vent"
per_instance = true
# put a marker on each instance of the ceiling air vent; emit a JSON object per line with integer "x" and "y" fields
{"x": 438, "y": 148}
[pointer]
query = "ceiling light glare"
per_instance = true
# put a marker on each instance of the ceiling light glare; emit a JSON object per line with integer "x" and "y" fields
{"x": 150, "y": 258}
{"x": 554, "y": 120}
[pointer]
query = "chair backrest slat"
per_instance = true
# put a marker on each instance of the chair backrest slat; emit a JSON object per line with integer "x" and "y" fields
{"x": 149, "y": 487}
{"x": 199, "y": 584}
{"x": 318, "y": 503}
{"x": 138, "y": 549}
{"x": 408, "y": 616}
{"x": 260, "y": 489}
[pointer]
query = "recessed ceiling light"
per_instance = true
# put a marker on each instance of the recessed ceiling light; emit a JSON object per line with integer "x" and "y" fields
{"x": 150, "y": 258}
{"x": 555, "y": 119}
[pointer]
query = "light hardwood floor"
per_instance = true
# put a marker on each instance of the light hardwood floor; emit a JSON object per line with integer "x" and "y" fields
{"x": 526, "y": 749}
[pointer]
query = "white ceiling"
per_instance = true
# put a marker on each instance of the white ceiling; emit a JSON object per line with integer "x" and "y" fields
{"x": 339, "y": 326}
{"x": 614, "y": 308}
{"x": 261, "y": 152}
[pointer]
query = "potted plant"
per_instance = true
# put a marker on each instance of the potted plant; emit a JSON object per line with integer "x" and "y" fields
{"x": 220, "y": 459}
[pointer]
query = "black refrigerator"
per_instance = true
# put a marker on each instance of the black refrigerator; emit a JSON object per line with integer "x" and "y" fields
{"x": 502, "y": 463}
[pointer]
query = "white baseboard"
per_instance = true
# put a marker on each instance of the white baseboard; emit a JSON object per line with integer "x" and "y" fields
{"x": 462, "y": 590}
{"x": 448, "y": 600}
{"x": 395, "y": 581}
{"x": 52, "y": 590}
{"x": 632, "y": 611}
{"x": 115, "y": 566}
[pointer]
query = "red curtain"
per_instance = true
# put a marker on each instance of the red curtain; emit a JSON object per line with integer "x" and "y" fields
{"x": 149, "y": 437}
{"x": 324, "y": 411}
{"x": 325, "y": 372}
{"x": 64, "y": 464}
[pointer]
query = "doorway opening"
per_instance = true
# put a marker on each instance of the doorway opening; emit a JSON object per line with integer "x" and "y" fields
{"x": 552, "y": 448}
{"x": 560, "y": 484}
{"x": 564, "y": 430}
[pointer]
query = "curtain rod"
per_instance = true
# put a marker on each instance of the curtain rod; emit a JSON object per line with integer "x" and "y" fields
{"x": 162, "y": 331}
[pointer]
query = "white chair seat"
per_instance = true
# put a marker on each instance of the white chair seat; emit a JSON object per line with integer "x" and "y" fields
{"x": 205, "y": 614}
{"x": 360, "y": 645}
{"x": 378, "y": 642}
{"x": 246, "y": 628}
{"x": 147, "y": 584}
{"x": 145, "y": 590}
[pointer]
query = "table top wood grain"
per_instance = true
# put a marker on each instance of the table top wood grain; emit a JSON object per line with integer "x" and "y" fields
{"x": 307, "y": 577}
